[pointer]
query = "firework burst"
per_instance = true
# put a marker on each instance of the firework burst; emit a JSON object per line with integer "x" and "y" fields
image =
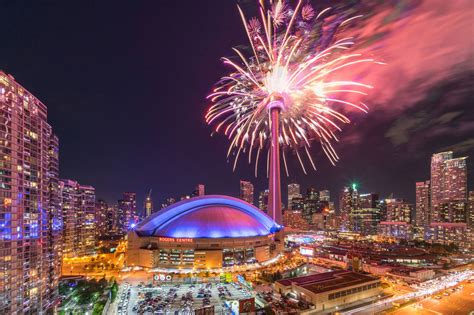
{"x": 295, "y": 56}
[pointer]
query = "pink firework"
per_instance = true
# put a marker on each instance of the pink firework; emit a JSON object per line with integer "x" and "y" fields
{"x": 296, "y": 60}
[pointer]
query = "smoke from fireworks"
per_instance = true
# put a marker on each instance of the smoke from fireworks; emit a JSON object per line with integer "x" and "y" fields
{"x": 297, "y": 55}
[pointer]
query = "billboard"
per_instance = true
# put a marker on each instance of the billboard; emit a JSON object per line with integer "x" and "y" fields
{"x": 247, "y": 306}
{"x": 307, "y": 251}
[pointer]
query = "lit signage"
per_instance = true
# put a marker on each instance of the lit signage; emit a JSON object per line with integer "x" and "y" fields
{"x": 306, "y": 251}
{"x": 175, "y": 240}
{"x": 159, "y": 277}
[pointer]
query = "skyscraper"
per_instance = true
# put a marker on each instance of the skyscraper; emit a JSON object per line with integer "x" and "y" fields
{"x": 127, "y": 210}
{"x": 293, "y": 191}
{"x": 422, "y": 206}
{"x": 246, "y": 191}
{"x": 455, "y": 177}
{"x": 168, "y": 202}
{"x": 87, "y": 232}
{"x": 312, "y": 194}
{"x": 349, "y": 200}
{"x": 325, "y": 195}
{"x": 29, "y": 230}
{"x": 148, "y": 205}
{"x": 200, "y": 190}
{"x": 112, "y": 221}
{"x": 437, "y": 178}
{"x": 366, "y": 217}
{"x": 79, "y": 218}
{"x": 101, "y": 209}
{"x": 263, "y": 200}
{"x": 297, "y": 203}
{"x": 448, "y": 182}
{"x": 398, "y": 210}
{"x": 470, "y": 210}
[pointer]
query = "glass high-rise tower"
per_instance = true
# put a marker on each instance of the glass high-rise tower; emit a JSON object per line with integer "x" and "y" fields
{"x": 30, "y": 224}
{"x": 246, "y": 191}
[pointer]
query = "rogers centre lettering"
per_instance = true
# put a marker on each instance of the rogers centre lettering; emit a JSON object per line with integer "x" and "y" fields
{"x": 175, "y": 240}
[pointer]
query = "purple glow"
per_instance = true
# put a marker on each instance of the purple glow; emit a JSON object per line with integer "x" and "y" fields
{"x": 208, "y": 217}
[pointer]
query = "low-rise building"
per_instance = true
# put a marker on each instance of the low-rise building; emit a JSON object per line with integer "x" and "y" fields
{"x": 330, "y": 289}
{"x": 376, "y": 269}
{"x": 422, "y": 274}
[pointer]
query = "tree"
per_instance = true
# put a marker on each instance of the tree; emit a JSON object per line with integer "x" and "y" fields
{"x": 114, "y": 290}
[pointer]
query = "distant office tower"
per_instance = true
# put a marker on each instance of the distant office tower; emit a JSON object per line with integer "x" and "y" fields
{"x": 366, "y": 217}
{"x": 86, "y": 213}
{"x": 168, "y": 202}
{"x": 470, "y": 210}
{"x": 69, "y": 206}
{"x": 310, "y": 207}
{"x": 101, "y": 209}
{"x": 198, "y": 191}
{"x": 437, "y": 177}
{"x": 29, "y": 225}
{"x": 112, "y": 221}
{"x": 348, "y": 201}
{"x": 148, "y": 205}
{"x": 312, "y": 204}
{"x": 127, "y": 207}
{"x": 293, "y": 191}
{"x": 79, "y": 225}
{"x": 448, "y": 182}
{"x": 398, "y": 210}
{"x": 422, "y": 206}
{"x": 325, "y": 195}
{"x": 455, "y": 175}
{"x": 201, "y": 190}
{"x": 368, "y": 200}
{"x": 246, "y": 191}
{"x": 453, "y": 211}
{"x": 312, "y": 194}
{"x": 297, "y": 202}
{"x": 263, "y": 200}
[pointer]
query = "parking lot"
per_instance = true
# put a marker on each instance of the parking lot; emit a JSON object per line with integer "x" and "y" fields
{"x": 177, "y": 299}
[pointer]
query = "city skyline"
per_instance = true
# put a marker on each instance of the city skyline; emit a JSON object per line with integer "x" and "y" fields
{"x": 117, "y": 196}
{"x": 379, "y": 163}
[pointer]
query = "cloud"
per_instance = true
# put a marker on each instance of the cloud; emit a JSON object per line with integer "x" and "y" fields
{"x": 401, "y": 130}
{"x": 422, "y": 42}
{"x": 461, "y": 147}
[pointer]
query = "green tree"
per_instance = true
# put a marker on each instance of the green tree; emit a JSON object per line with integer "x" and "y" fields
{"x": 114, "y": 290}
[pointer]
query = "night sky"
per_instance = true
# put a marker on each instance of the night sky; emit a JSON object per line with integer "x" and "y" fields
{"x": 125, "y": 85}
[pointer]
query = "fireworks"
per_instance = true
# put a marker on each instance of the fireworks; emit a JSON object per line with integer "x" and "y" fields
{"x": 295, "y": 56}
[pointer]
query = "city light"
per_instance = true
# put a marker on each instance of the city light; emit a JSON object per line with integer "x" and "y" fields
{"x": 111, "y": 198}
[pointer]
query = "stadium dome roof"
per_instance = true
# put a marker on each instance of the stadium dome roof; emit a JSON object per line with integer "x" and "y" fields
{"x": 210, "y": 216}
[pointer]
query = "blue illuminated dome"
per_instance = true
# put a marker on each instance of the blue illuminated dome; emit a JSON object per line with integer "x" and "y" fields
{"x": 210, "y": 216}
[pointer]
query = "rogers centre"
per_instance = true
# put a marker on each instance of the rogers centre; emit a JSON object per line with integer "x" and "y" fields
{"x": 207, "y": 232}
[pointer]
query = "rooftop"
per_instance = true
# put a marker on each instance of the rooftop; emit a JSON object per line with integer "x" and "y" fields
{"x": 329, "y": 281}
{"x": 209, "y": 216}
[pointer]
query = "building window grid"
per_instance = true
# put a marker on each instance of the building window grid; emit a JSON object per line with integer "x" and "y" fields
{"x": 339, "y": 294}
